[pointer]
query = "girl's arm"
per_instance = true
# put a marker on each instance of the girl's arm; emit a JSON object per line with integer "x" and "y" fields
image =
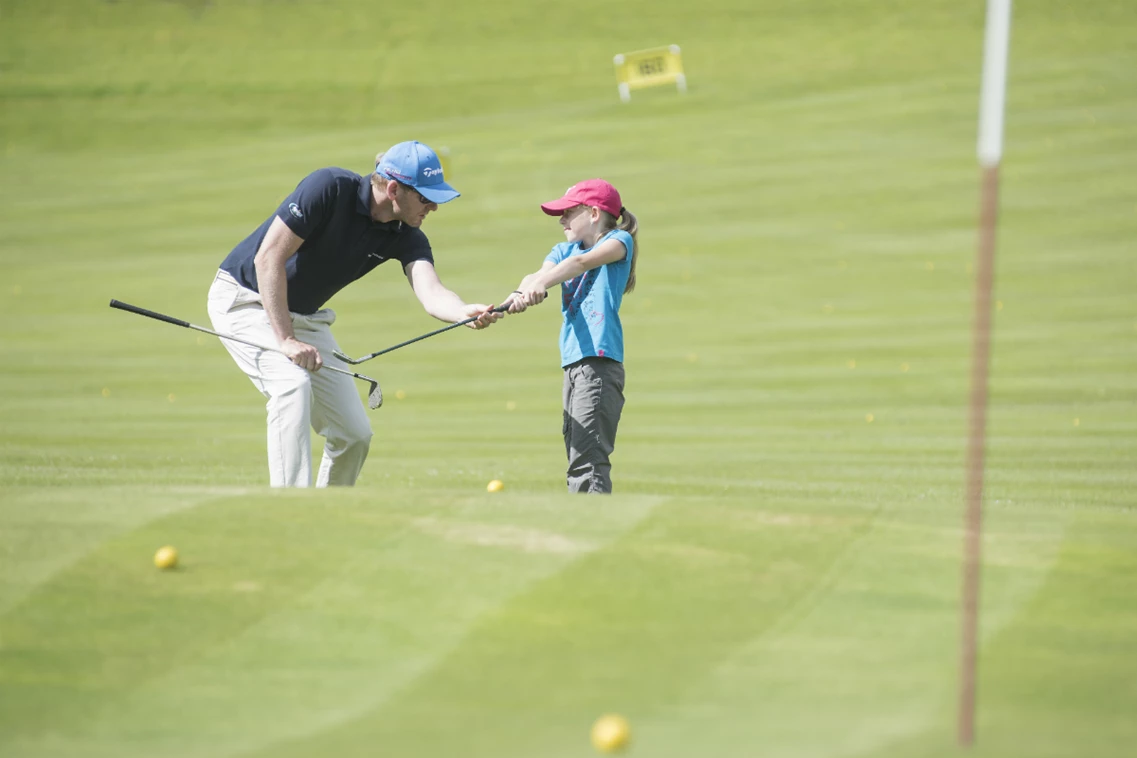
{"x": 534, "y": 287}
{"x": 516, "y": 300}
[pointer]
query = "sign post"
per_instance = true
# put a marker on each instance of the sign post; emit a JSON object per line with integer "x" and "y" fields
{"x": 991, "y": 107}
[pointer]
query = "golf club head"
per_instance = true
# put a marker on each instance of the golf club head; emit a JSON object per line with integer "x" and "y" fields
{"x": 375, "y": 396}
{"x": 344, "y": 358}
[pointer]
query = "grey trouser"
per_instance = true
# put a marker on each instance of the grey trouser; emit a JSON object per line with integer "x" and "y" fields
{"x": 593, "y": 400}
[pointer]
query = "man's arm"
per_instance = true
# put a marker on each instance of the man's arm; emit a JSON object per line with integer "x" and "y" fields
{"x": 279, "y": 245}
{"x": 440, "y": 302}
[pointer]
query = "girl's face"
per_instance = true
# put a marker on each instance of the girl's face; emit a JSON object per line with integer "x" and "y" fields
{"x": 578, "y": 224}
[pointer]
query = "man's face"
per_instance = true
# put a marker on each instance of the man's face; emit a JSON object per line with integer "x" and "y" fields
{"x": 410, "y": 206}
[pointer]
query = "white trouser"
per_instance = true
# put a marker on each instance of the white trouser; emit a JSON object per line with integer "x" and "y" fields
{"x": 326, "y": 401}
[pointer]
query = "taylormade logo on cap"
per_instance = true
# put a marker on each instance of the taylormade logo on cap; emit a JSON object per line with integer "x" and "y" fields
{"x": 432, "y": 171}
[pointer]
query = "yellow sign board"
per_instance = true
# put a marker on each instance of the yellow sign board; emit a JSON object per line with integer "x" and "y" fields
{"x": 649, "y": 68}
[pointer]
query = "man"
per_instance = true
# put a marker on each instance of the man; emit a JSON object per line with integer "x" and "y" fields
{"x": 334, "y": 228}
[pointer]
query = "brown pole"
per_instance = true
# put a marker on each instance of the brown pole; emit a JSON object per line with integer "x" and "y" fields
{"x": 977, "y": 426}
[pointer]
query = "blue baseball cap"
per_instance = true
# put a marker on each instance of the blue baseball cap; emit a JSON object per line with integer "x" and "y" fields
{"x": 416, "y": 165}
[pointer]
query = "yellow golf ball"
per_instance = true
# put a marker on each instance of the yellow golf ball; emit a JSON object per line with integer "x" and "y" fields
{"x": 496, "y": 485}
{"x": 611, "y": 733}
{"x": 166, "y": 557}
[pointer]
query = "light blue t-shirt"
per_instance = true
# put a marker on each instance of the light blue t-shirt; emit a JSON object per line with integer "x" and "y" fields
{"x": 590, "y": 303}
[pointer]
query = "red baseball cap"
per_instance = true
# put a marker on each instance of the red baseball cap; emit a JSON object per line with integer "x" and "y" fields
{"x": 595, "y": 192}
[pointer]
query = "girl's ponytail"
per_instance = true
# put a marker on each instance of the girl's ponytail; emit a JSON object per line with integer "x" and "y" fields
{"x": 629, "y": 224}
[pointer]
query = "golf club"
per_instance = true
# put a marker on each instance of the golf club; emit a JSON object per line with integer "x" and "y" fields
{"x": 356, "y": 361}
{"x": 374, "y": 394}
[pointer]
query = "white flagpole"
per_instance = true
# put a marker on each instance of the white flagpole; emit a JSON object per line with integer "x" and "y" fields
{"x": 990, "y": 150}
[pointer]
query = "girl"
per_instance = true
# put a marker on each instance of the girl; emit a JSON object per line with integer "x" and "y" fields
{"x": 595, "y": 267}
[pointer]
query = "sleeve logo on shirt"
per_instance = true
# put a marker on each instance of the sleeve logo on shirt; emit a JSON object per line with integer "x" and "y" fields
{"x": 294, "y": 209}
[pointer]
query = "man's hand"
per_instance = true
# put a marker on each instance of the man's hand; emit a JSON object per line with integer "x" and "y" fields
{"x": 302, "y": 354}
{"x": 484, "y": 314}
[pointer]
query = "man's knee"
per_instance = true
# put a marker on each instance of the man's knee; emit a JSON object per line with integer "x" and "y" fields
{"x": 360, "y": 441}
{"x": 355, "y": 435}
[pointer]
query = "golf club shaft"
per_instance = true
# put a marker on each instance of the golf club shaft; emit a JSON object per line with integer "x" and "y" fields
{"x": 178, "y": 322}
{"x": 500, "y": 309}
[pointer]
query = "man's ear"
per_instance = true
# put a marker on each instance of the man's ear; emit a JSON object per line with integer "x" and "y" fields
{"x": 391, "y": 188}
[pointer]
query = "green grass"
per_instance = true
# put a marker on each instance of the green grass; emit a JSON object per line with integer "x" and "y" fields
{"x": 777, "y": 573}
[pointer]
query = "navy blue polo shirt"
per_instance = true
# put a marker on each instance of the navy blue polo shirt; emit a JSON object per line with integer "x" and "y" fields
{"x": 330, "y": 210}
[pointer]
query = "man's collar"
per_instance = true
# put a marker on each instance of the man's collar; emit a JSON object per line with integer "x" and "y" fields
{"x": 364, "y": 206}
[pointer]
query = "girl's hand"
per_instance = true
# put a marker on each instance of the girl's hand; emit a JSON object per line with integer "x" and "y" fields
{"x": 531, "y": 290}
{"x": 534, "y": 296}
{"x": 516, "y": 302}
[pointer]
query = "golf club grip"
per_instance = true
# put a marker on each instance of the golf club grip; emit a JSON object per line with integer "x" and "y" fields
{"x": 151, "y": 314}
